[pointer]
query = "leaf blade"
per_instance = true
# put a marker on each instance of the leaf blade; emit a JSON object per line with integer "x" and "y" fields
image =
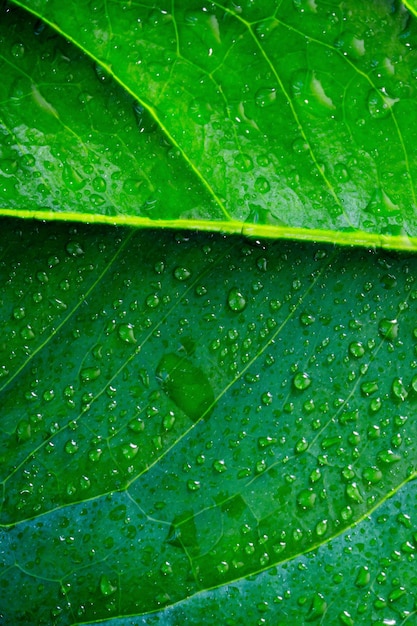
{"x": 280, "y": 133}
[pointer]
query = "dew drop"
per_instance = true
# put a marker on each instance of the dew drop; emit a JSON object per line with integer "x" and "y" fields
{"x": 106, "y": 586}
{"x": 321, "y": 528}
{"x": 236, "y": 300}
{"x": 243, "y": 162}
{"x": 363, "y": 577}
{"x": 186, "y": 384}
{"x": 301, "y": 381}
{"x": 356, "y": 349}
{"x": 388, "y": 329}
{"x": 301, "y": 445}
{"x": 182, "y": 273}
{"x": 27, "y": 333}
{"x": 71, "y": 446}
{"x": 306, "y": 499}
{"x": 262, "y": 185}
{"x": 379, "y": 104}
{"x": 152, "y": 301}
{"x": 398, "y": 389}
{"x": 372, "y": 475}
{"x": 126, "y": 333}
{"x": 353, "y": 493}
{"x": 89, "y": 374}
{"x": 265, "y": 96}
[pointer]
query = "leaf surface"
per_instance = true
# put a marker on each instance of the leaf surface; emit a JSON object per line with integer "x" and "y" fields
{"x": 125, "y": 499}
{"x": 292, "y": 120}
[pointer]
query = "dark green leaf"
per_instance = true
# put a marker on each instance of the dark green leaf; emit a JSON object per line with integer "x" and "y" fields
{"x": 128, "y": 493}
{"x": 288, "y": 119}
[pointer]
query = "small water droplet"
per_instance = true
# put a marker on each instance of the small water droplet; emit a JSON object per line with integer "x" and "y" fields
{"x": 152, "y": 301}
{"x": 27, "y": 333}
{"x": 182, "y": 273}
{"x": 126, "y": 333}
{"x": 372, "y": 475}
{"x": 302, "y": 381}
{"x": 186, "y": 384}
{"x": 193, "y": 485}
{"x": 388, "y": 329}
{"x": 71, "y": 446}
{"x": 265, "y": 96}
{"x": 262, "y": 185}
{"x": 357, "y": 349}
{"x": 301, "y": 445}
{"x": 107, "y": 588}
{"x": 353, "y": 493}
{"x": 243, "y": 162}
{"x": 363, "y": 577}
{"x": 306, "y": 499}
{"x": 369, "y": 387}
{"x": 236, "y": 300}
{"x": 89, "y": 374}
{"x": 321, "y": 528}
{"x": 379, "y": 104}
{"x": 398, "y": 389}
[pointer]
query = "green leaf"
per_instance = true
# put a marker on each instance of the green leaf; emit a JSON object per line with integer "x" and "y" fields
{"x": 195, "y": 425}
{"x": 292, "y": 119}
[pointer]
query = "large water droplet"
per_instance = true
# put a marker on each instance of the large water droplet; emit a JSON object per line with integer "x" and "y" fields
{"x": 388, "y": 329}
{"x": 266, "y": 96}
{"x": 186, "y": 384}
{"x": 236, "y": 300}
{"x": 302, "y": 381}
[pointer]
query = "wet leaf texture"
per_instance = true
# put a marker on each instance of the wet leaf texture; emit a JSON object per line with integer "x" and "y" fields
{"x": 182, "y": 411}
{"x": 294, "y": 120}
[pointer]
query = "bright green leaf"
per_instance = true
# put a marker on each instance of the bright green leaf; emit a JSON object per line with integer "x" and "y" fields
{"x": 129, "y": 494}
{"x": 291, "y": 120}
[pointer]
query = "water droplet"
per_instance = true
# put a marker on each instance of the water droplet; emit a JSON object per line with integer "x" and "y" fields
{"x": 346, "y": 619}
{"x": 398, "y": 389}
{"x": 363, "y": 577}
{"x": 136, "y": 424}
{"x": 388, "y": 457}
{"x": 301, "y": 445}
{"x": 23, "y": 431}
{"x": 356, "y": 349}
{"x": 353, "y": 493}
{"x": 27, "y": 333}
{"x": 262, "y": 185}
{"x": 19, "y": 313}
{"x": 369, "y": 387}
{"x": 379, "y": 104}
{"x": 219, "y": 466}
{"x": 126, "y": 333}
{"x": 243, "y": 162}
{"x": 372, "y": 475}
{"x": 350, "y": 45}
{"x": 302, "y": 381}
{"x": 388, "y": 329}
{"x": 186, "y": 384}
{"x": 182, "y": 273}
{"x": 107, "y": 588}
{"x": 236, "y": 300}
{"x": 321, "y": 528}
{"x": 223, "y": 567}
{"x": 265, "y": 96}
{"x": 71, "y": 446}
{"x": 193, "y": 485}
{"x": 99, "y": 184}
{"x": 130, "y": 450}
{"x": 152, "y": 301}
{"x": 306, "y": 499}
{"x": 89, "y": 373}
